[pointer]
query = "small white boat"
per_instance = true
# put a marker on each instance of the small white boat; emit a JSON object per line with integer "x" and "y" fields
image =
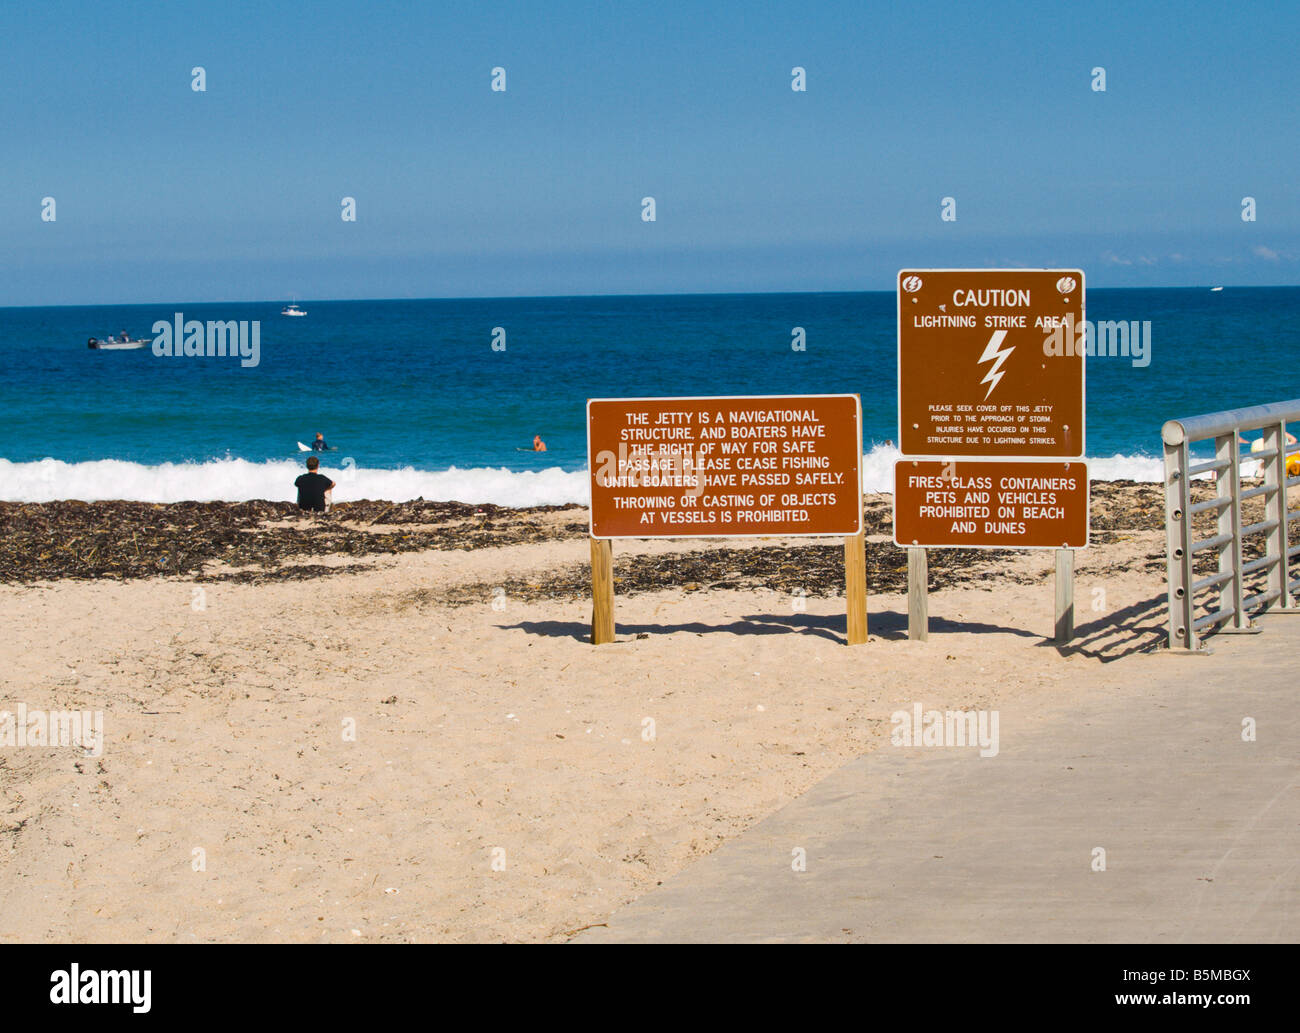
{"x": 292, "y": 310}
{"x": 116, "y": 344}
{"x": 1213, "y": 289}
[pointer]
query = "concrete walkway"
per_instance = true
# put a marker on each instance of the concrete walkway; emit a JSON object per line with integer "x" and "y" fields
{"x": 1201, "y": 830}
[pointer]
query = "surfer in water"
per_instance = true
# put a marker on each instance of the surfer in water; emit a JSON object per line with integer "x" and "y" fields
{"x": 319, "y": 444}
{"x": 538, "y": 444}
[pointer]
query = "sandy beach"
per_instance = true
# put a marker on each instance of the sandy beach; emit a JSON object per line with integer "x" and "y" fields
{"x": 337, "y": 733}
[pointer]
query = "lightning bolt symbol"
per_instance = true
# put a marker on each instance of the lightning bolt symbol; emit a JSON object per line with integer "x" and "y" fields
{"x": 992, "y": 351}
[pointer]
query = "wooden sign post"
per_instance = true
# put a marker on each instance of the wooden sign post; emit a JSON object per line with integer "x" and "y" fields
{"x": 855, "y": 586}
{"x": 1064, "y": 596}
{"x": 602, "y": 592}
{"x": 726, "y": 467}
{"x": 918, "y": 594}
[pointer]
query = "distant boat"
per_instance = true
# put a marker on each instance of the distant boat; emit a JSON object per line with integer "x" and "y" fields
{"x": 116, "y": 345}
{"x": 1213, "y": 289}
{"x": 292, "y": 310}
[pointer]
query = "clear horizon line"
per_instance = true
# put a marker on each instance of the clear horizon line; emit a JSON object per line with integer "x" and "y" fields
{"x": 542, "y": 297}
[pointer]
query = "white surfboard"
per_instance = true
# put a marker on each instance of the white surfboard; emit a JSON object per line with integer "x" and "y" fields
{"x": 303, "y": 448}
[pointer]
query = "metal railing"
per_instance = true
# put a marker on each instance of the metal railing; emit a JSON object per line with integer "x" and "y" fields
{"x": 1270, "y": 574}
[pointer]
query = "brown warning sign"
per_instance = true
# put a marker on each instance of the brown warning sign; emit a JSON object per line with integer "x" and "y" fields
{"x": 988, "y": 362}
{"x": 998, "y": 504}
{"x": 682, "y": 467}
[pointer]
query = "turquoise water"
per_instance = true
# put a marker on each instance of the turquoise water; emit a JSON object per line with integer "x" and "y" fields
{"x": 406, "y": 390}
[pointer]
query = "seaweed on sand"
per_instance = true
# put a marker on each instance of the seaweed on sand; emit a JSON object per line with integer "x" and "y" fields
{"x": 72, "y": 539}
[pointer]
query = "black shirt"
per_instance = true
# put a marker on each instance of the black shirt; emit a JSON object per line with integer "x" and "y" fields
{"x": 319, "y": 445}
{"x": 311, "y": 490}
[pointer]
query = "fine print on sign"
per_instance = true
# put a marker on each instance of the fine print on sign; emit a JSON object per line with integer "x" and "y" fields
{"x": 723, "y": 467}
{"x": 987, "y": 364}
{"x": 1001, "y": 504}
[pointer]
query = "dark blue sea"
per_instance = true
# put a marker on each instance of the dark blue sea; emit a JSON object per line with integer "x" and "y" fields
{"x": 416, "y": 401}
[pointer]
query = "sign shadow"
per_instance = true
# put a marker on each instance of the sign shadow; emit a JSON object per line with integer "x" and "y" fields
{"x": 833, "y": 627}
{"x": 1139, "y": 628}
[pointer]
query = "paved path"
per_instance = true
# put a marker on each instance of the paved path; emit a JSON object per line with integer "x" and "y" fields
{"x": 1201, "y": 830}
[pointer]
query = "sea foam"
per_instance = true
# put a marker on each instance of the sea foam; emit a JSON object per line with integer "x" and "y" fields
{"x": 239, "y": 480}
{"x": 878, "y": 469}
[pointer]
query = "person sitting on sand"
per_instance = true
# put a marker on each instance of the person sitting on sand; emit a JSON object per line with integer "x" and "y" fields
{"x": 313, "y": 488}
{"x": 319, "y": 444}
{"x": 538, "y": 444}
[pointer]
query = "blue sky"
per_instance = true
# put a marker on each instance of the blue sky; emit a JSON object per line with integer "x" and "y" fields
{"x": 164, "y": 194}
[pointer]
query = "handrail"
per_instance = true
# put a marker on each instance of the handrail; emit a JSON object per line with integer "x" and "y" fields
{"x": 1225, "y": 597}
{"x": 1213, "y": 424}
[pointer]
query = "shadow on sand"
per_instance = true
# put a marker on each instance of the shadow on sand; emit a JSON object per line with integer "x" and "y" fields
{"x": 881, "y": 624}
{"x": 1134, "y": 629}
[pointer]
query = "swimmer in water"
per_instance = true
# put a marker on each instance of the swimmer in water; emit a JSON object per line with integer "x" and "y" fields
{"x": 538, "y": 444}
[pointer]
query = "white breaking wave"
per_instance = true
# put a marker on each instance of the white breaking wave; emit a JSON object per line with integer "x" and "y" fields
{"x": 238, "y": 480}
{"x": 1127, "y": 468}
{"x": 878, "y": 469}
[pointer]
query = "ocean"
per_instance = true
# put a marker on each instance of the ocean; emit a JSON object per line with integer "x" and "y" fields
{"x": 418, "y": 403}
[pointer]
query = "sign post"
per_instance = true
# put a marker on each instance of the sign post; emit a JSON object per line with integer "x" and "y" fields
{"x": 1064, "y": 596}
{"x": 602, "y": 592}
{"x": 855, "y": 587}
{"x": 726, "y": 467}
{"x": 991, "y": 409}
{"x": 918, "y": 594}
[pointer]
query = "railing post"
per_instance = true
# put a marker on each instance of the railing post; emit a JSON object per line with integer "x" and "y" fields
{"x": 1178, "y": 547}
{"x": 1229, "y": 522}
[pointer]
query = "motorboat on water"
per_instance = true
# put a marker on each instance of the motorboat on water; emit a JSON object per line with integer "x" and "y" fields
{"x": 115, "y": 344}
{"x": 292, "y": 310}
